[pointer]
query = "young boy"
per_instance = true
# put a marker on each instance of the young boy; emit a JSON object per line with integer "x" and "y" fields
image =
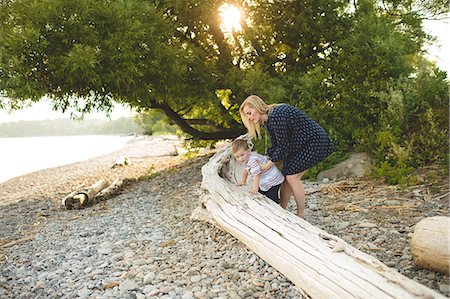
{"x": 267, "y": 178}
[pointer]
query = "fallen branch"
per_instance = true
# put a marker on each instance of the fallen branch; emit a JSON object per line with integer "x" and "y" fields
{"x": 392, "y": 207}
{"x": 15, "y": 242}
{"x": 357, "y": 202}
{"x": 440, "y": 196}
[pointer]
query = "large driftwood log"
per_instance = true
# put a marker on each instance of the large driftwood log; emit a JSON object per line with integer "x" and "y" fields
{"x": 84, "y": 197}
{"x": 321, "y": 265}
{"x": 430, "y": 243}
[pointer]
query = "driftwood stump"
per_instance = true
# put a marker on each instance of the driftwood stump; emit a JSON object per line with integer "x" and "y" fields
{"x": 84, "y": 197}
{"x": 109, "y": 191}
{"x": 430, "y": 244}
{"x": 321, "y": 265}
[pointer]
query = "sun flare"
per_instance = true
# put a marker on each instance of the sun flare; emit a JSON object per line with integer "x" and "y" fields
{"x": 231, "y": 18}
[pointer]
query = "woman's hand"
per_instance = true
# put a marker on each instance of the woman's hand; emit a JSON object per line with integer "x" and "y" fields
{"x": 266, "y": 165}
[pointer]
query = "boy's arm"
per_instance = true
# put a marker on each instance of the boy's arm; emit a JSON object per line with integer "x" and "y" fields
{"x": 255, "y": 184}
{"x": 244, "y": 178}
{"x": 265, "y": 166}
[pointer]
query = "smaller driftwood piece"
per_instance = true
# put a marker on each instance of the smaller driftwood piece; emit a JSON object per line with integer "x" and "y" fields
{"x": 321, "y": 265}
{"x": 430, "y": 244}
{"x": 109, "y": 191}
{"x": 85, "y": 197}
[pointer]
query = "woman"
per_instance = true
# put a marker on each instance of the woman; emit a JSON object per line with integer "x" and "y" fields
{"x": 297, "y": 141}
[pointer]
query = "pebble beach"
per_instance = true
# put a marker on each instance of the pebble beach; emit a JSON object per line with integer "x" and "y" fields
{"x": 141, "y": 243}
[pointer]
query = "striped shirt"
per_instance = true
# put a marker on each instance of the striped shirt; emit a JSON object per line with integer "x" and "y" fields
{"x": 269, "y": 177}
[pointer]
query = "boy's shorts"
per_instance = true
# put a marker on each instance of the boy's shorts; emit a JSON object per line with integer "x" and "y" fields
{"x": 272, "y": 193}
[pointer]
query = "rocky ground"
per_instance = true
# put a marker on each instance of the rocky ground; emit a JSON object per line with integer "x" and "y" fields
{"x": 142, "y": 244}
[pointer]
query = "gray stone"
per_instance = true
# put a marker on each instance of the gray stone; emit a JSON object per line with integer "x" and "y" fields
{"x": 149, "y": 278}
{"x": 195, "y": 279}
{"x": 84, "y": 293}
{"x": 357, "y": 165}
{"x": 342, "y": 225}
{"x": 444, "y": 288}
{"x": 128, "y": 285}
{"x": 367, "y": 225}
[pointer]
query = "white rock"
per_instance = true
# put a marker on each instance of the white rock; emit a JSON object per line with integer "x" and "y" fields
{"x": 128, "y": 285}
{"x": 148, "y": 278}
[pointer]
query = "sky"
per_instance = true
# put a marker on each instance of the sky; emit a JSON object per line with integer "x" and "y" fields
{"x": 42, "y": 110}
{"x": 438, "y": 52}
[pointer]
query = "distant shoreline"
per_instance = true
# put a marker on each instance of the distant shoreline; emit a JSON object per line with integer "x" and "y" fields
{"x": 146, "y": 153}
{"x": 68, "y": 127}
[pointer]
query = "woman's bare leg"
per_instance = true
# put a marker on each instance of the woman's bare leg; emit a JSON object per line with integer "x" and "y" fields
{"x": 297, "y": 189}
{"x": 285, "y": 194}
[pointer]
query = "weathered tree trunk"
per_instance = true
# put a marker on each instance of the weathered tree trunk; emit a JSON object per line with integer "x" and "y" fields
{"x": 430, "y": 243}
{"x": 84, "y": 197}
{"x": 321, "y": 265}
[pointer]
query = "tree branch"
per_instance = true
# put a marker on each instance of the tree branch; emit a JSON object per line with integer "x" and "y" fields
{"x": 184, "y": 125}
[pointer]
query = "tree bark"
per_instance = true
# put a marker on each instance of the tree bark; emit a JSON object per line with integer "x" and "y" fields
{"x": 321, "y": 265}
{"x": 187, "y": 128}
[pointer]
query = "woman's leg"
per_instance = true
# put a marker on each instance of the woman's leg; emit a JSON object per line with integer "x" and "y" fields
{"x": 285, "y": 194}
{"x": 297, "y": 189}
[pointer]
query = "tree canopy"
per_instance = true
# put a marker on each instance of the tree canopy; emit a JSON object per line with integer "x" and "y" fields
{"x": 332, "y": 58}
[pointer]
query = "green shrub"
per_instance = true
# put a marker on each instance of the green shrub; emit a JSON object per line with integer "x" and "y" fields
{"x": 395, "y": 174}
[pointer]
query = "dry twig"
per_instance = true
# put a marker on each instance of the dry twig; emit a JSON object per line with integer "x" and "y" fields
{"x": 392, "y": 207}
{"x": 15, "y": 242}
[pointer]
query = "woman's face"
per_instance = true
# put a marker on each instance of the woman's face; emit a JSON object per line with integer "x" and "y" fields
{"x": 252, "y": 114}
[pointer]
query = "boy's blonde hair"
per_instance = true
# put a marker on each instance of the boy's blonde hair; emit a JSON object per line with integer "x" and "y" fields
{"x": 261, "y": 107}
{"x": 239, "y": 144}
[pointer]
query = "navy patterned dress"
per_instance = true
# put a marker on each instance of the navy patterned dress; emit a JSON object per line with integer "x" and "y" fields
{"x": 297, "y": 140}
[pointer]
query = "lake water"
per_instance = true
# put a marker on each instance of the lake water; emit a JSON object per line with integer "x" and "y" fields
{"x": 23, "y": 155}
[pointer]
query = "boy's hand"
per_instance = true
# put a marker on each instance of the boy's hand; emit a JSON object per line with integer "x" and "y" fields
{"x": 240, "y": 184}
{"x": 253, "y": 191}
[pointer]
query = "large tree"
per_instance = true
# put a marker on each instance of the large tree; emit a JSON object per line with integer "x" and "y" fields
{"x": 174, "y": 55}
{"x": 148, "y": 54}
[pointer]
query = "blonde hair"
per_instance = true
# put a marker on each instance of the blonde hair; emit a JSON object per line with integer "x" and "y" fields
{"x": 261, "y": 107}
{"x": 239, "y": 144}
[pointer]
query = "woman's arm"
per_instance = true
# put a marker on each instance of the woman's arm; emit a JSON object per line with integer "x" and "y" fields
{"x": 266, "y": 166}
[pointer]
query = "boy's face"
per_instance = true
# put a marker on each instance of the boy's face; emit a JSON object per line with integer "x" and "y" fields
{"x": 242, "y": 155}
